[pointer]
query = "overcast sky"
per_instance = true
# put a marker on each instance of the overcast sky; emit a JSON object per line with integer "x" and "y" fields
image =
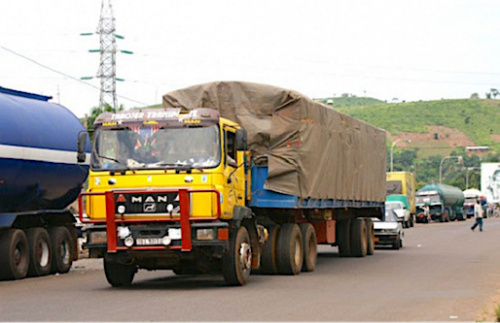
{"x": 409, "y": 50}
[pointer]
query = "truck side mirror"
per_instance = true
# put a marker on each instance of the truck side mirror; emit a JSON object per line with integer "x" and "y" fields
{"x": 82, "y": 143}
{"x": 241, "y": 140}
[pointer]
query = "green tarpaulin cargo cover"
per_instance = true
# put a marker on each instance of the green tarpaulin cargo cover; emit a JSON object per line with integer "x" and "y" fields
{"x": 313, "y": 151}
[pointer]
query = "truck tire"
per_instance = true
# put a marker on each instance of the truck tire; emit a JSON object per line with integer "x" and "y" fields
{"x": 358, "y": 237}
{"x": 14, "y": 254}
{"x": 268, "y": 264}
{"x": 40, "y": 252}
{"x": 118, "y": 275}
{"x": 310, "y": 247}
{"x": 370, "y": 237}
{"x": 289, "y": 250}
{"x": 343, "y": 237}
{"x": 63, "y": 250}
{"x": 237, "y": 261}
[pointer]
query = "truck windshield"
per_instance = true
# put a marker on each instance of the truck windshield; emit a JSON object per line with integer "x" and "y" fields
{"x": 421, "y": 199}
{"x": 470, "y": 200}
{"x": 147, "y": 147}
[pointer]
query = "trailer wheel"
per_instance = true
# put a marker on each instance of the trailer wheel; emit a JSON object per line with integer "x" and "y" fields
{"x": 268, "y": 264}
{"x": 118, "y": 275}
{"x": 343, "y": 237}
{"x": 370, "y": 237}
{"x": 358, "y": 238}
{"x": 237, "y": 261}
{"x": 310, "y": 247}
{"x": 289, "y": 252}
{"x": 62, "y": 249}
{"x": 14, "y": 254}
{"x": 40, "y": 253}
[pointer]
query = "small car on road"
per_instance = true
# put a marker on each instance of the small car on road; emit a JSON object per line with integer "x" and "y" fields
{"x": 389, "y": 231}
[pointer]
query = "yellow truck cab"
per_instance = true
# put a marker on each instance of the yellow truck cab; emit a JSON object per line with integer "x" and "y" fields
{"x": 166, "y": 181}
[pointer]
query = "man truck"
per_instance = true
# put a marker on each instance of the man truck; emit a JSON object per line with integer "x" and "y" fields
{"x": 230, "y": 178}
{"x": 41, "y": 173}
{"x": 445, "y": 202}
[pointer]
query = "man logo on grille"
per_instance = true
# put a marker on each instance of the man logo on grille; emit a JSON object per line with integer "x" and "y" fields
{"x": 149, "y": 207}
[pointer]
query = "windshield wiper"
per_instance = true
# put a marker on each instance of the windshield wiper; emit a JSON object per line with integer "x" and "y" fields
{"x": 112, "y": 159}
{"x": 179, "y": 166}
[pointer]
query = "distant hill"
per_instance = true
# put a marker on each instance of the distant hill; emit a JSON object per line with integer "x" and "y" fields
{"x": 435, "y": 127}
{"x": 349, "y": 101}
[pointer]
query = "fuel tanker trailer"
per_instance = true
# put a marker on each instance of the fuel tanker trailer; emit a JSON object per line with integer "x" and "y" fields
{"x": 41, "y": 172}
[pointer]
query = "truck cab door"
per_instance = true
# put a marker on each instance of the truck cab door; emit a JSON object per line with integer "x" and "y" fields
{"x": 234, "y": 173}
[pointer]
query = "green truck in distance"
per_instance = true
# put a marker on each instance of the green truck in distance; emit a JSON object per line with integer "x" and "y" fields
{"x": 445, "y": 202}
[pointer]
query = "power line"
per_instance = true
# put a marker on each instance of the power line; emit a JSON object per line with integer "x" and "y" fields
{"x": 64, "y": 74}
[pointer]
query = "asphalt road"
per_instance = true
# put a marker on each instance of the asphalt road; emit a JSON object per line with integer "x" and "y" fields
{"x": 445, "y": 272}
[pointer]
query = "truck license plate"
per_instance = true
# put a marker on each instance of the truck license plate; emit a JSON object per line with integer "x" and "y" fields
{"x": 148, "y": 241}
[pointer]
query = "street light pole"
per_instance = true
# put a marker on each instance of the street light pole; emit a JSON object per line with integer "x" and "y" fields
{"x": 441, "y": 166}
{"x": 467, "y": 175}
{"x": 392, "y": 151}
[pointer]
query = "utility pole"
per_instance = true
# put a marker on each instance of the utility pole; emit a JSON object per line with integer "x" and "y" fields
{"x": 108, "y": 49}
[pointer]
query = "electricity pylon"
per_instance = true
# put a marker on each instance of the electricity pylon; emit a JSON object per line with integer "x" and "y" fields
{"x": 108, "y": 49}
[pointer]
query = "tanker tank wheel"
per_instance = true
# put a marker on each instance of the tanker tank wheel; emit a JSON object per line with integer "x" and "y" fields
{"x": 237, "y": 261}
{"x": 62, "y": 249}
{"x": 310, "y": 247}
{"x": 40, "y": 253}
{"x": 289, "y": 250}
{"x": 268, "y": 263}
{"x": 118, "y": 275}
{"x": 14, "y": 254}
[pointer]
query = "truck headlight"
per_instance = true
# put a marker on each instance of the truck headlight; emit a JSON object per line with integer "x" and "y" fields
{"x": 166, "y": 240}
{"x": 129, "y": 241}
{"x": 205, "y": 234}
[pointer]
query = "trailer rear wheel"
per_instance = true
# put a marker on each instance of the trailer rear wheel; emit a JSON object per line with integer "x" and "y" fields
{"x": 237, "y": 261}
{"x": 358, "y": 238}
{"x": 310, "y": 247}
{"x": 118, "y": 275}
{"x": 370, "y": 237}
{"x": 268, "y": 264}
{"x": 14, "y": 254}
{"x": 62, "y": 249}
{"x": 289, "y": 252}
{"x": 40, "y": 253}
{"x": 343, "y": 237}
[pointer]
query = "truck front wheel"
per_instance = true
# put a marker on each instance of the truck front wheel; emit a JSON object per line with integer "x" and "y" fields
{"x": 237, "y": 261}
{"x": 118, "y": 275}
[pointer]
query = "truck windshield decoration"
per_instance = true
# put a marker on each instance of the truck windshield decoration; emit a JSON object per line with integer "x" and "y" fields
{"x": 152, "y": 147}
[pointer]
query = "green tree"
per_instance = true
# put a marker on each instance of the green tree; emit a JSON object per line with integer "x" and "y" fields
{"x": 95, "y": 112}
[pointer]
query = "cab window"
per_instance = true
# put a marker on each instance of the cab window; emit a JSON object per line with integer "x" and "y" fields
{"x": 231, "y": 156}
